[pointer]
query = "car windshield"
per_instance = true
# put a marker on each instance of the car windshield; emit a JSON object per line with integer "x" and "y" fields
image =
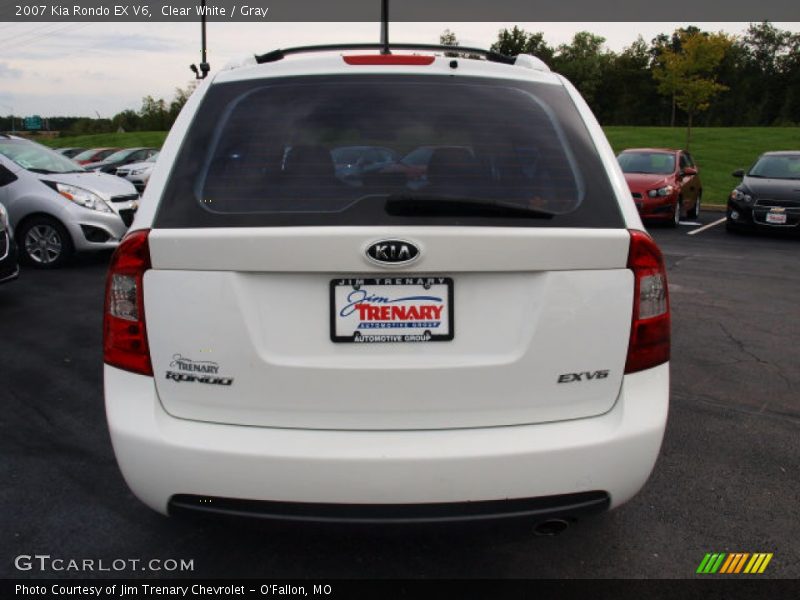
{"x": 36, "y": 158}
{"x": 120, "y": 155}
{"x": 781, "y": 166}
{"x": 153, "y": 158}
{"x": 655, "y": 163}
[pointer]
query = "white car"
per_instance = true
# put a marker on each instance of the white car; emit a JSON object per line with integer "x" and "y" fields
{"x": 494, "y": 344}
{"x": 138, "y": 173}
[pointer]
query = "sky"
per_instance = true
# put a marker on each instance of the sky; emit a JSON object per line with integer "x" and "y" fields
{"x": 90, "y": 69}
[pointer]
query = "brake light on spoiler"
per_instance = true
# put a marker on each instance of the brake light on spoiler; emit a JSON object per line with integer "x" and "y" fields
{"x": 649, "y": 344}
{"x": 388, "y": 59}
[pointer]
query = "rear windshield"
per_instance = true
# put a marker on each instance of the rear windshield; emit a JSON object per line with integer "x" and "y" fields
{"x": 344, "y": 150}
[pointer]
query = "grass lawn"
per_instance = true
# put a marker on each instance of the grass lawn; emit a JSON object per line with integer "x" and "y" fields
{"x": 153, "y": 139}
{"x": 717, "y": 150}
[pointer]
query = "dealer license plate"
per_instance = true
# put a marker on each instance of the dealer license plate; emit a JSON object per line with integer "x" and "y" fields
{"x": 392, "y": 310}
{"x": 776, "y": 218}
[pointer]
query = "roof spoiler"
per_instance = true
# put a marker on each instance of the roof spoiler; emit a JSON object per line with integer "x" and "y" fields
{"x": 489, "y": 55}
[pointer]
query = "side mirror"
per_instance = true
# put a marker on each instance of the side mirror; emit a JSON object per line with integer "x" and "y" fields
{"x": 738, "y": 173}
{"x": 690, "y": 171}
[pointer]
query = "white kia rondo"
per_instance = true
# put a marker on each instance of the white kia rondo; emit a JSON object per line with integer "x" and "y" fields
{"x": 481, "y": 336}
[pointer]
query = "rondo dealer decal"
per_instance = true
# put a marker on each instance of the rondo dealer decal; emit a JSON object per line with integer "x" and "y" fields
{"x": 187, "y": 370}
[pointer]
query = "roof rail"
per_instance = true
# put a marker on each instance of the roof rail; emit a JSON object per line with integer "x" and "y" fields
{"x": 277, "y": 55}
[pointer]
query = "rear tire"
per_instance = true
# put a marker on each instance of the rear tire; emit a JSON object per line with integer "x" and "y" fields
{"x": 44, "y": 243}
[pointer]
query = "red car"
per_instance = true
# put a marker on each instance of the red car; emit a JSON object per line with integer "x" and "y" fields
{"x": 664, "y": 183}
{"x": 93, "y": 155}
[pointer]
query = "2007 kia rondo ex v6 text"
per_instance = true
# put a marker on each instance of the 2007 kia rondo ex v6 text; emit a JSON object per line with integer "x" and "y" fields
{"x": 492, "y": 341}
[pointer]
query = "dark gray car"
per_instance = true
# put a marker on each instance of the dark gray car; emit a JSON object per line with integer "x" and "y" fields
{"x": 768, "y": 196}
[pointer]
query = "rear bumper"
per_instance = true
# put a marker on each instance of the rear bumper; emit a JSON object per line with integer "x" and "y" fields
{"x": 564, "y": 507}
{"x": 163, "y": 458}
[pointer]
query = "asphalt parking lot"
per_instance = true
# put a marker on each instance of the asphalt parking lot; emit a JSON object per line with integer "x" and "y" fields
{"x": 728, "y": 479}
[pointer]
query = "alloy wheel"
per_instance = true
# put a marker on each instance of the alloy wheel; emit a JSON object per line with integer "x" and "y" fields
{"x": 43, "y": 244}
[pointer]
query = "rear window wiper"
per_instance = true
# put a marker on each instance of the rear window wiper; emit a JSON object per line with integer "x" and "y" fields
{"x": 414, "y": 204}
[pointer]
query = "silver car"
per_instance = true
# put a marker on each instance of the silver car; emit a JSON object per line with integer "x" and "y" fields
{"x": 56, "y": 207}
{"x": 138, "y": 173}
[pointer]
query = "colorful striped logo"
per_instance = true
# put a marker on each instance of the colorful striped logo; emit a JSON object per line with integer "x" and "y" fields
{"x": 734, "y": 563}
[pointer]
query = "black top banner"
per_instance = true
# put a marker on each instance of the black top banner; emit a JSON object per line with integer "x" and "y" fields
{"x": 399, "y": 10}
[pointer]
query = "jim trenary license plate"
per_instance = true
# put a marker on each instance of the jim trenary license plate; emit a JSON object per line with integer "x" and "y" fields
{"x": 392, "y": 310}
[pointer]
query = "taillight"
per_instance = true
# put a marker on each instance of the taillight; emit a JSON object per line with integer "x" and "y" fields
{"x": 124, "y": 331}
{"x": 650, "y": 327}
{"x": 388, "y": 59}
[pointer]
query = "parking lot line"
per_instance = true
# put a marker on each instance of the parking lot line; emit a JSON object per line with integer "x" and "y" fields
{"x": 704, "y": 227}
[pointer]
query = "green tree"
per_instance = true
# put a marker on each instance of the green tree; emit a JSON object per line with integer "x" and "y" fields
{"x": 789, "y": 113}
{"x": 518, "y": 41}
{"x": 689, "y": 73}
{"x": 584, "y": 62}
{"x": 772, "y": 63}
{"x": 665, "y": 43}
{"x": 181, "y": 97}
{"x": 154, "y": 116}
{"x": 627, "y": 94}
{"x": 448, "y": 38}
{"x": 127, "y": 119}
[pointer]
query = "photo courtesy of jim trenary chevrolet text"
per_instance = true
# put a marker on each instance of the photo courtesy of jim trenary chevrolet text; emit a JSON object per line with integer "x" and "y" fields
{"x": 382, "y": 298}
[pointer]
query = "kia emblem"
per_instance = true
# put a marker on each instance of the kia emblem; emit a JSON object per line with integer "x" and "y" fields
{"x": 392, "y": 252}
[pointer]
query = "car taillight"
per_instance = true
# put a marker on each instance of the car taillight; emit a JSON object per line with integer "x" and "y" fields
{"x": 124, "y": 330}
{"x": 388, "y": 59}
{"x": 650, "y": 327}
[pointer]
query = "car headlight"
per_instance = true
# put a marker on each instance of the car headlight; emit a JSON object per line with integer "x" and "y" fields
{"x": 740, "y": 196}
{"x": 664, "y": 191}
{"x": 82, "y": 197}
{"x": 3, "y": 218}
{"x": 136, "y": 172}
